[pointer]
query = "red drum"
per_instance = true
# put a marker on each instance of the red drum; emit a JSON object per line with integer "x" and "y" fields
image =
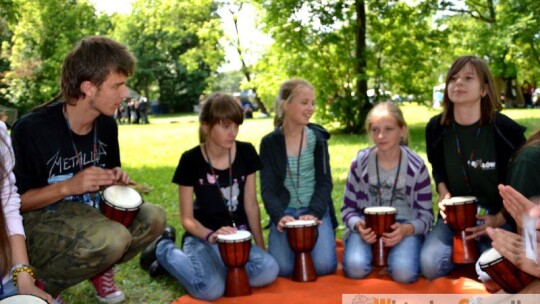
{"x": 302, "y": 236}
{"x": 461, "y": 214}
{"x": 121, "y": 203}
{"x": 379, "y": 219}
{"x": 234, "y": 250}
{"x": 510, "y": 278}
{"x": 23, "y": 299}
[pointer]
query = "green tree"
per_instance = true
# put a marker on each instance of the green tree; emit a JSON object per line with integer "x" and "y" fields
{"x": 344, "y": 47}
{"x": 176, "y": 44}
{"x": 44, "y": 33}
{"x": 504, "y": 33}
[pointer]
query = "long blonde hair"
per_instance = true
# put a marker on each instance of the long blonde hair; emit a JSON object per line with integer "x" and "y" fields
{"x": 286, "y": 93}
{"x": 393, "y": 110}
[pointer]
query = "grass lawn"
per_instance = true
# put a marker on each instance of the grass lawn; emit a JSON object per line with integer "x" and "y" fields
{"x": 150, "y": 154}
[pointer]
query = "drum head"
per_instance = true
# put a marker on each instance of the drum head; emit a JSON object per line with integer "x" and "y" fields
{"x": 122, "y": 196}
{"x": 239, "y": 236}
{"x": 489, "y": 257}
{"x": 23, "y": 299}
{"x": 459, "y": 200}
{"x": 380, "y": 210}
{"x": 300, "y": 223}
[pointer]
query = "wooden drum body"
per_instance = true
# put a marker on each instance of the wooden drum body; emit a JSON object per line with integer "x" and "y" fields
{"x": 121, "y": 203}
{"x": 380, "y": 219}
{"x": 302, "y": 237}
{"x": 234, "y": 250}
{"x": 23, "y": 299}
{"x": 510, "y": 278}
{"x": 461, "y": 214}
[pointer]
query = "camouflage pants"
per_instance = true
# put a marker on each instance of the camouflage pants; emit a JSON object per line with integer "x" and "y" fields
{"x": 76, "y": 242}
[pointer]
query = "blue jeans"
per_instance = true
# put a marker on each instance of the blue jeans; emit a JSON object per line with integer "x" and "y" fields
{"x": 323, "y": 254}
{"x": 403, "y": 259}
{"x": 201, "y": 271}
{"x": 436, "y": 255}
{"x": 9, "y": 289}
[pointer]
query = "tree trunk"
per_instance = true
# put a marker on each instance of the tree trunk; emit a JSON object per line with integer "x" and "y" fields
{"x": 361, "y": 66}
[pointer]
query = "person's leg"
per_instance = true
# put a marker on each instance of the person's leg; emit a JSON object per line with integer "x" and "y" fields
{"x": 404, "y": 259}
{"x": 198, "y": 267}
{"x": 324, "y": 253}
{"x": 262, "y": 269}
{"x": 357, "y": 257}
{"x": 8, "y": 289}
{"x": 278, "y": 247}
{"x": 72, "y": 243}
{"x": 436, "y": 253}
{"x": 145, "y": 228}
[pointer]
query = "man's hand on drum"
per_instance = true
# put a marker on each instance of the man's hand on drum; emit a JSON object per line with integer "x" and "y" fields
{"x": 221, "y": 231}
{"x": 366, "y": 234}
{"x": 511, "y": 246}
{"x": 121, "y": 177}
{"x": 390, "y": 239}
{"x": 90, "y": 179}
{"x": 284, "y": 220}
{"x": 492, "y": 221}
{"x": 515, "y": 203}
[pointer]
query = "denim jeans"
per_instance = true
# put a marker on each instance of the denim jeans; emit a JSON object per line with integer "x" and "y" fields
{"x": 9, "y": 289}
{"x": 403, "y": 259}
{"x": 436, "y": 255}
{"x": 323, "y": 254}
{"x": 201, "y": 271}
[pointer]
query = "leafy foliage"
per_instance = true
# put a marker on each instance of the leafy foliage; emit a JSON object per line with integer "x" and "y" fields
{"x": 176, "y": 43}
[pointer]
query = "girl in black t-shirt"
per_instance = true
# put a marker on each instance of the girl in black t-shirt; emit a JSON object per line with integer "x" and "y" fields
{"x": 468, "y": 145}
{"x": 217, "y": 192}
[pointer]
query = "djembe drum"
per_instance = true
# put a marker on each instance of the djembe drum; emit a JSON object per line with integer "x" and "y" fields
{"x": 510, "y": 278}
{"x": 121, "y": 203}
{"x": 234, "y": 250}
{"x": 379, "y": 219}
{"x": 302, "y": 237}
{"x": 461, "y": 214}
{"x": 23, "y": 299}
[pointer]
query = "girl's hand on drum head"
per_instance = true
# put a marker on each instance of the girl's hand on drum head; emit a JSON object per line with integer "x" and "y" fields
{"x": 284, "y": 220}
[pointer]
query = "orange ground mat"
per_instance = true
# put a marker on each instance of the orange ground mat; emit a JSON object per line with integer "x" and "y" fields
{"x": 329, "y": 289}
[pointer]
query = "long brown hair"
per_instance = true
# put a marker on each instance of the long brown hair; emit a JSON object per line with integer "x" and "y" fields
{"x": 5, "y": 247}
{"x": 489, "y": 104}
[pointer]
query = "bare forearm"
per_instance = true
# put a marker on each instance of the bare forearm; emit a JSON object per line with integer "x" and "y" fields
{"x": 34, "y": 199}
